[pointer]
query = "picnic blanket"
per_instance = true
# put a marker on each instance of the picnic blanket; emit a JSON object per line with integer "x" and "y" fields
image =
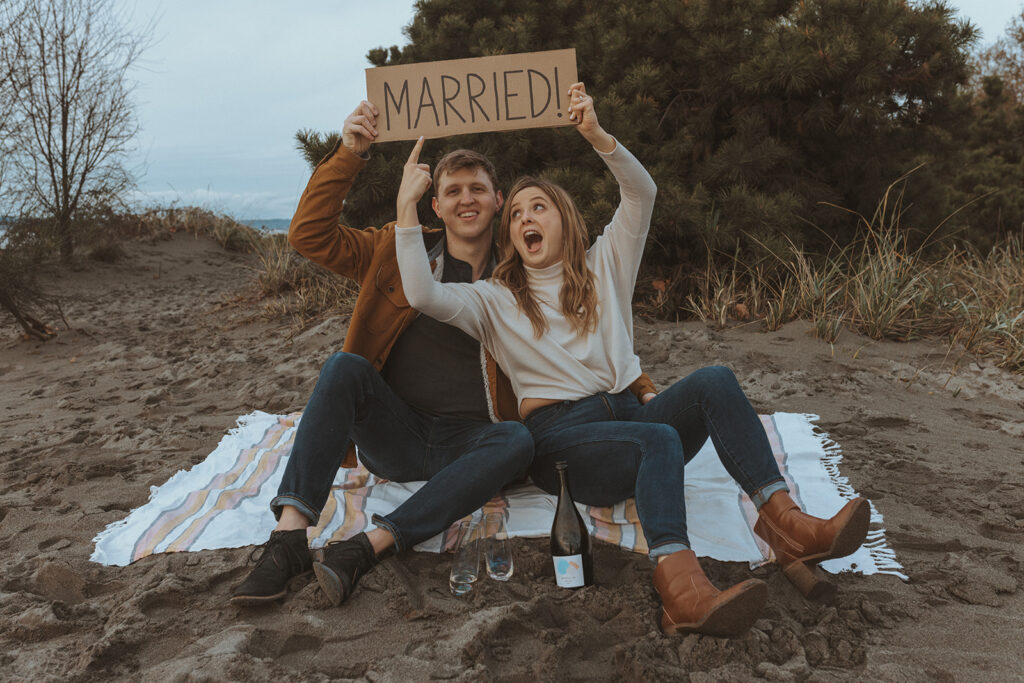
{"x": 223, "y": 502}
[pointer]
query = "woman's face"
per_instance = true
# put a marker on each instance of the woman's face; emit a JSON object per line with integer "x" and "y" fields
{"x": 535, "y": 228}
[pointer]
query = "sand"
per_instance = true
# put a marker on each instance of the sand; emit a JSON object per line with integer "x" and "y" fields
{"x": 168, "y": 348}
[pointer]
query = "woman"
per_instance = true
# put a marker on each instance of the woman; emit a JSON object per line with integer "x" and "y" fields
{"x": 557, "y": 317}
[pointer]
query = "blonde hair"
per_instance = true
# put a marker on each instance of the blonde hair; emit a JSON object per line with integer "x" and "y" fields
{"x": 578, "y": 296}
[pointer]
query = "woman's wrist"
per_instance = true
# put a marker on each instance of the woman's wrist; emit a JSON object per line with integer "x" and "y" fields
{"x": 407, "y": 216}
{"x": 600, "y": 140}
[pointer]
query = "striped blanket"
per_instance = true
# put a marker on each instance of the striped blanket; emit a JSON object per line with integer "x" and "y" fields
{"x": 223, "y": 502}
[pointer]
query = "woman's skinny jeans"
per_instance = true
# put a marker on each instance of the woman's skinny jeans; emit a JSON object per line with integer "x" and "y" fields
{"x": 617, "y": 448}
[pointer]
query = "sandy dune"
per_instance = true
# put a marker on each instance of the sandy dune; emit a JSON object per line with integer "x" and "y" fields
{"x": 168, "y": 350}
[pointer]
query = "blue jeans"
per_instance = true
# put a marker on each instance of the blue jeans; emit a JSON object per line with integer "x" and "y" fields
{"x": 617, "y": 448}
{"x": 465, "y": 463}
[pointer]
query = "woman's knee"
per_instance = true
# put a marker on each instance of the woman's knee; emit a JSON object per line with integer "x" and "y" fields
{"x": 718, "y": 381}
{"x": 659, "y": 440}
{"x": 717, "y": 375}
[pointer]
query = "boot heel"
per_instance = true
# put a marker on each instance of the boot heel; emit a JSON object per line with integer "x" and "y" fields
{"x": 809, "y": 580}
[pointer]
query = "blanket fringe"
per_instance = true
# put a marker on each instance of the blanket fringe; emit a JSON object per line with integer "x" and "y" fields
{"x": 878, "y": 547}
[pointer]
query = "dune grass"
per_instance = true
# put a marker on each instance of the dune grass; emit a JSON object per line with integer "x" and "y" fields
{"x": 293, "y": 286}
{"x": 878, "y": 286}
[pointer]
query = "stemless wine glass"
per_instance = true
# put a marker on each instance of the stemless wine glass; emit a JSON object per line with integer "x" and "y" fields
{"x": 466, "y": 566}
{"x": 497, "y": 549}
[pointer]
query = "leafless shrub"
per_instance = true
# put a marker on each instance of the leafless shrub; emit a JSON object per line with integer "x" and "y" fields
{"x": 68, "y": 62}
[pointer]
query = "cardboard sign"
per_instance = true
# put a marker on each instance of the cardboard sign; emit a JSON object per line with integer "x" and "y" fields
{"x": 505, "y": 92}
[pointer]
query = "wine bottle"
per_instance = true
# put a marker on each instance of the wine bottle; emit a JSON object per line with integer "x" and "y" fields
{"x": 570, "y": 541}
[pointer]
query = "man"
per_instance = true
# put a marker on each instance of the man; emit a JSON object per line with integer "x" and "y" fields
{"x": 422, "y": 399}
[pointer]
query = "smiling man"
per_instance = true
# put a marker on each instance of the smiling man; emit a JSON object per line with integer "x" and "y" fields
{"x": 421, "y": 399}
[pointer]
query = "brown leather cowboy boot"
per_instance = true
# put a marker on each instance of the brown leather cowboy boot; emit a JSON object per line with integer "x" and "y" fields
{"x": 801, "y": 541}
{"x": 690, "y": 604}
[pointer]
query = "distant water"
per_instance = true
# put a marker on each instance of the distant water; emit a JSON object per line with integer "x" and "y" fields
{"x": 268, "y": 224}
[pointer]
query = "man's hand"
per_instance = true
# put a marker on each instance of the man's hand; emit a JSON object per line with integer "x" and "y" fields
{"x": 415, "y": 181}
{"x": 581, "y": 110}
{"x": 646, "y": 398}
{"x": 360, "y": 128}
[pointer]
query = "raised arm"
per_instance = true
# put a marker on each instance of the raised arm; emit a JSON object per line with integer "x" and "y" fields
{"x": 623, "y": 241}
{"x": 454, "y": 303}
{"x": 636, "y": 187}
{"x": 314, "y": 231}
{"x": 581, "y": 111}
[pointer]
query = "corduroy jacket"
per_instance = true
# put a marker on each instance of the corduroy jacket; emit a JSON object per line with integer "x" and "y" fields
{"x": 367, "y": 256}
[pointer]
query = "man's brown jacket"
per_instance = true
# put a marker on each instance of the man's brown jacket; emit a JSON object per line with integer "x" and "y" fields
{"x": 367, "y": 256}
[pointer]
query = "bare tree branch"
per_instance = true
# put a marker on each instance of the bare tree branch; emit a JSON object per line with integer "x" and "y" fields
{"x": 71, "y": 73}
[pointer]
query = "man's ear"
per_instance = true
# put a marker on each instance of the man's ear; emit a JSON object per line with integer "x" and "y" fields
{"x": 499, "y": 200}
{"x": 433, "y": 203}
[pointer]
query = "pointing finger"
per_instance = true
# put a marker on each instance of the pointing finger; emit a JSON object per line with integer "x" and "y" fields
{"x": 414, "y": 156}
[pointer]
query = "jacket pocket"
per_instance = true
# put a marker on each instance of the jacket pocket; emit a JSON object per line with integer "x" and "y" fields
{"x": 388, "y": 282}
{"x": 380, "y": 311}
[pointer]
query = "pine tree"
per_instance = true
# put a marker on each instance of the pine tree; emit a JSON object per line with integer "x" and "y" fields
{"x": 753, "y": 116}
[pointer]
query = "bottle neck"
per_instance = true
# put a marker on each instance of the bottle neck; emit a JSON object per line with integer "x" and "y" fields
{"x": 563, "y": 481}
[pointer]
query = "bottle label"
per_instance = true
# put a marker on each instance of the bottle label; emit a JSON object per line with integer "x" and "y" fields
{"x": 568, "y": 570}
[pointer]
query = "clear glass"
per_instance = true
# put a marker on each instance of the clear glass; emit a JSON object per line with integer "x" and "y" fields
{"x": 466, "y": 565}
{"x": 497, "y": 548}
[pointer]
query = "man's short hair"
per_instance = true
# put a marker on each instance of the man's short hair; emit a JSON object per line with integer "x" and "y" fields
{"x": 464, "y": 159}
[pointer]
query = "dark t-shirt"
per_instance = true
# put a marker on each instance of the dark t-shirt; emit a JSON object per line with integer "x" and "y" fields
{"x": 437, "y": 368}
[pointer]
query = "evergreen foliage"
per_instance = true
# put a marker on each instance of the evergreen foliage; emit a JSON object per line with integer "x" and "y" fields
{"x": 1004, "y": 59}
{"x": 990, "y": 161}
{"x": 756, "y": 118}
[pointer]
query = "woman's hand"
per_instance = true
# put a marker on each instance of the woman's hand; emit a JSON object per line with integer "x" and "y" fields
{"x": 581, "y": 110}
{"x": 415, "y": 181}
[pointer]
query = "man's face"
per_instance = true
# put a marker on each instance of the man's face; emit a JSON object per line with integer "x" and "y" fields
{"x": 466, "y": 201}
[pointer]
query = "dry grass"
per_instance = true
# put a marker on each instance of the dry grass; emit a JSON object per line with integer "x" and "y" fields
{"x": 878, "y": 286}
{"x": 228, "y": 233}
{"x": 289, "y": 285}
{"x": 293, "y": 286}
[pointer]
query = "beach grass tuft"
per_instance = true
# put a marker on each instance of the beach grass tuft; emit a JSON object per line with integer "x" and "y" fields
{"x": 879, "y": 286}
{"x": 294, "y": 286}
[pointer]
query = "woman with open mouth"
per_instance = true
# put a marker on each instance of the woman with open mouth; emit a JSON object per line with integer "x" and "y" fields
{"x": 556, "y": 314}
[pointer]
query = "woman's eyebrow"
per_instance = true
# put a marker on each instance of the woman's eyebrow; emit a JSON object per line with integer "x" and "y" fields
{"x": 531, "y": 198}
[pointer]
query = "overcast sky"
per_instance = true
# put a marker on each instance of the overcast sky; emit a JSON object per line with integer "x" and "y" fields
{"x": 226, "y": 83}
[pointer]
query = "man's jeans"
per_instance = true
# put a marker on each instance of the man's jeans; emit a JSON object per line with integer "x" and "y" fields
{"x": 617, "y": 448}
{"x": 464, "y": 463}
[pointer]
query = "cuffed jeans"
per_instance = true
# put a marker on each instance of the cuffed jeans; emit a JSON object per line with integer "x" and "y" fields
{"x": 617, "y": 448}
{"x": 464, "y": 463}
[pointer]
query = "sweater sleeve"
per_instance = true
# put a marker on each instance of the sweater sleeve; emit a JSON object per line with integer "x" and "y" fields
{"x": 621, "y": 246}
{"x": 457, "y": 303}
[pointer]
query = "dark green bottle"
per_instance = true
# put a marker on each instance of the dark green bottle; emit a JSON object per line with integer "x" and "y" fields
{"x": 570, "y": 540}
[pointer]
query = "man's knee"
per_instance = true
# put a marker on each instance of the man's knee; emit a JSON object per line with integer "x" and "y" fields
{"x": 517, "y": 443}
{"x": 342, "y": 367}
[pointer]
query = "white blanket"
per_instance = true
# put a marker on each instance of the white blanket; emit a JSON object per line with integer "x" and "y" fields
{"x": 223, "y": 502}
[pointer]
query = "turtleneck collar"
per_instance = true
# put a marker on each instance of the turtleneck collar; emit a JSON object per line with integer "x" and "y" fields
{"x": 544, "y": 275}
